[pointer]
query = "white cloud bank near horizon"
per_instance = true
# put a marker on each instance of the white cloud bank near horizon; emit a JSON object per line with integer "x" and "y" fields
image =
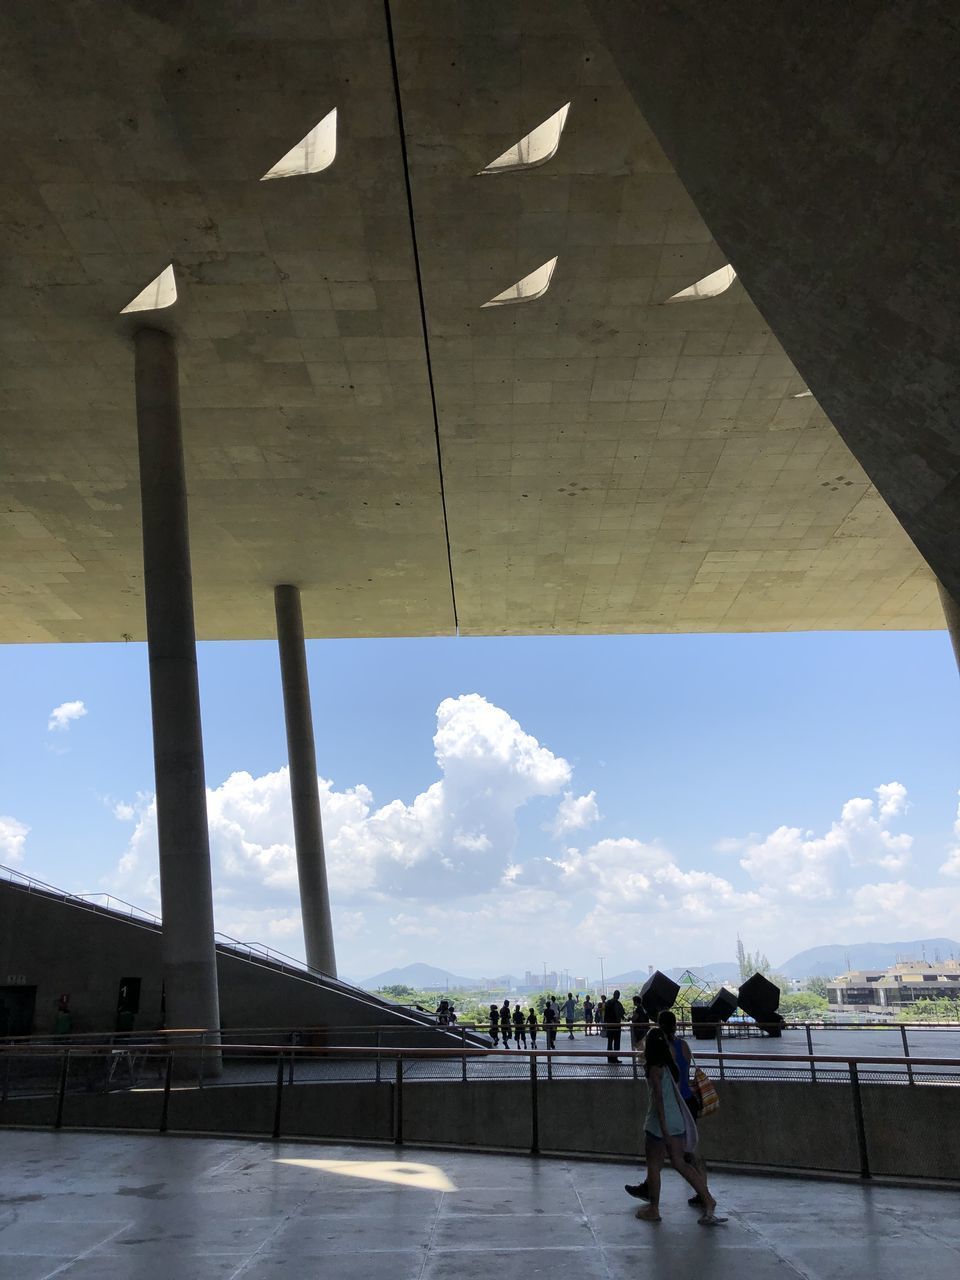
{"x": 441, "y": 878}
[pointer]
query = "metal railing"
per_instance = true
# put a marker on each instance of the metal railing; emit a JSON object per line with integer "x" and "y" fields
{"x": 62, "y": 1073}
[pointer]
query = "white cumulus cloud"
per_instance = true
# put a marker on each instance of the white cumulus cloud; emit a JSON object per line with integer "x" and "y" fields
{"x": 574, "y": 813}
{"x": 13, "y": 836}
{"x": 61, "y": 717}
{"x": 805, "y": 866}
{"x": 455, "y": 838}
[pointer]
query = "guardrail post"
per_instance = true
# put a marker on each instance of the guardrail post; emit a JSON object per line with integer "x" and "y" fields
{"x": 167, "y": 1079}
{"x": 906, "y": 1052}
{"x": 858, "y": 1118}
{"x": 463, "y": 1045}
{"x": 813, "y": 1065}
{"x": 398, "y": 1104}
{"x": 720, "y": 1052}
{"x": 5, "y": 1088}
{"x": 62, "y": 1089}
{"x": 549, "y": 1063}
{"x": 279, "y": 1102}
{"x": 290, "y": 1068}
{"x": 378, "y": 1057}
{"x": 203, "y": 1041}
{"x": 534, "y": 1107}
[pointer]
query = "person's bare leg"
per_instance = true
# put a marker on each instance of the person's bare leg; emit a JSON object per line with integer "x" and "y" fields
{"x": 654, "y": 1157}
{"x": 693, "y": 1175}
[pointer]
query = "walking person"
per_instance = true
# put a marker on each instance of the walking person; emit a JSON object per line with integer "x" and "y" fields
{"x": 533, "y": 1026}
{"x": 683, "y": 1059}
{"x": 570, "y": 1013}
{"x": 598, "y": 1015}
{"x": 494, "y": 1025}
{"x": 519, "y": 1027}
{"x": 587, "y": 1016}
{"x": 613, "y": 1015}
{"x": 665, "y": 1125}
{"x": 505, "y": 1023}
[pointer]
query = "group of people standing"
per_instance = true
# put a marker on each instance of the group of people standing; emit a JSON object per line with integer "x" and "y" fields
{"x": 606, "y": 1017}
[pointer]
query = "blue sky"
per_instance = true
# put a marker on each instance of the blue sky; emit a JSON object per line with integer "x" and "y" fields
{"x": 698, "y": 751}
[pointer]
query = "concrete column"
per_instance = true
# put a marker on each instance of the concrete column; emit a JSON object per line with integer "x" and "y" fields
{"x": 304, "y": 791}
{"x": 189, "y": 955}
{"x": 951, "y": 611}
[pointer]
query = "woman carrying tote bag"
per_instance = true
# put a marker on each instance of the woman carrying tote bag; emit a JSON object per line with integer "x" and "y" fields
{"x": 669, "y": 1131}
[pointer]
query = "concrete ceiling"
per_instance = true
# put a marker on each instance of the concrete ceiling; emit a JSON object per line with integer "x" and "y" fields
{"x": 609, "y": 463}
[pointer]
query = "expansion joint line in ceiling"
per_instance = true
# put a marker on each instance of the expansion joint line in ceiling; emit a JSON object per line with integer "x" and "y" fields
{"x": 423, "y": 308}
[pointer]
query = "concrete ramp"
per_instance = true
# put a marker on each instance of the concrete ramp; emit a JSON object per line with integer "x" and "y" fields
{"x": 53, "y": 943}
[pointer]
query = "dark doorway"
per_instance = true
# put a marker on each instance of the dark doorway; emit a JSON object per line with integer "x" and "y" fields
{"x": 128, "y": 1003}
{"x": 17, "y": 1005}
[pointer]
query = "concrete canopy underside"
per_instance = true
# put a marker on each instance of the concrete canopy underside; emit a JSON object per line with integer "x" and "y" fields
{"x": 610, "y": 463}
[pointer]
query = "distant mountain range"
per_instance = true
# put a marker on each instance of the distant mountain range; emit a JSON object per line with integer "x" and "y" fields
{"x": 722, "y": 971}
{"x": 420, "y": 976}
{"x": 827, "y": 962}
{"x": 815, "y": 962}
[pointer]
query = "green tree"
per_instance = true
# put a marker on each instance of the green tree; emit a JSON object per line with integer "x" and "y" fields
{"x": 817, "y": 985}
{"x": 398, "y": 991}
{"x": 803, "y": 1006}
{"x": 931, "y": 1009}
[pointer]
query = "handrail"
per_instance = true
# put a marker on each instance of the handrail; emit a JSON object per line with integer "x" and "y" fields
{"x": 191, "y": 1049}
{"x": 131, "y": 909}
{"x": 427, "y": 1024}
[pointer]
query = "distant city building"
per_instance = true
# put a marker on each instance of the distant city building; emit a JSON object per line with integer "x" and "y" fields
{"x": 899, "y": 984}
{"x": 540, "y": 981}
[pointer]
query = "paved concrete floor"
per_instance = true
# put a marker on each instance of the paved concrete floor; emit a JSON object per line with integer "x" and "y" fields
{"x": 108, "y": 1207}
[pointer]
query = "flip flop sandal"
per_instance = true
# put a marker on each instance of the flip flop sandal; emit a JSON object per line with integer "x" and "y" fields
{"x": 710, "y": 1220}
{"x": 648, "y": 1215}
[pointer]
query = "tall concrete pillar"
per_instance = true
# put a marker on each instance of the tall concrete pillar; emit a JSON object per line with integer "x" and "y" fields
{"x": 189, "y": 955}
{"x": 304, "y": 790}
{"x": 951, "y": 611}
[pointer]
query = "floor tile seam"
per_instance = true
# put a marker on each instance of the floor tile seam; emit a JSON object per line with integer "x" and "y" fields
{"x": 771, "y": 1247}
{"x": 597, "y": 1242}
{"x": 86, "y": 1253}
{"x": 258, "y": 1252}
{"x": 430, "y": 1238}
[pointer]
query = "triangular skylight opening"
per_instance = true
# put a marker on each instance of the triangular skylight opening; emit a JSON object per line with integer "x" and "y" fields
{"x": 709, "y": 287}
{"x": 158, "y": 294}
{"x": 537, "y": 147}
{"x": 313, "y": 153}
{"x": 531, "y": 287}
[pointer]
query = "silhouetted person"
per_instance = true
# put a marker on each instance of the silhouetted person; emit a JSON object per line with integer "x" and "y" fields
{"x": 533, "y": 1026}
{"x": 569, "y": 1013}
{"x": 613, "y": 1015}
{"x": 505, "y": 1023}
{"x": 551, "y": 1017}
{"x": 494, "y": 1025}
{"x": 587, "y": 1016}
{"x": 639, "y": 1024}
{"x": 519, "y": 1027}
